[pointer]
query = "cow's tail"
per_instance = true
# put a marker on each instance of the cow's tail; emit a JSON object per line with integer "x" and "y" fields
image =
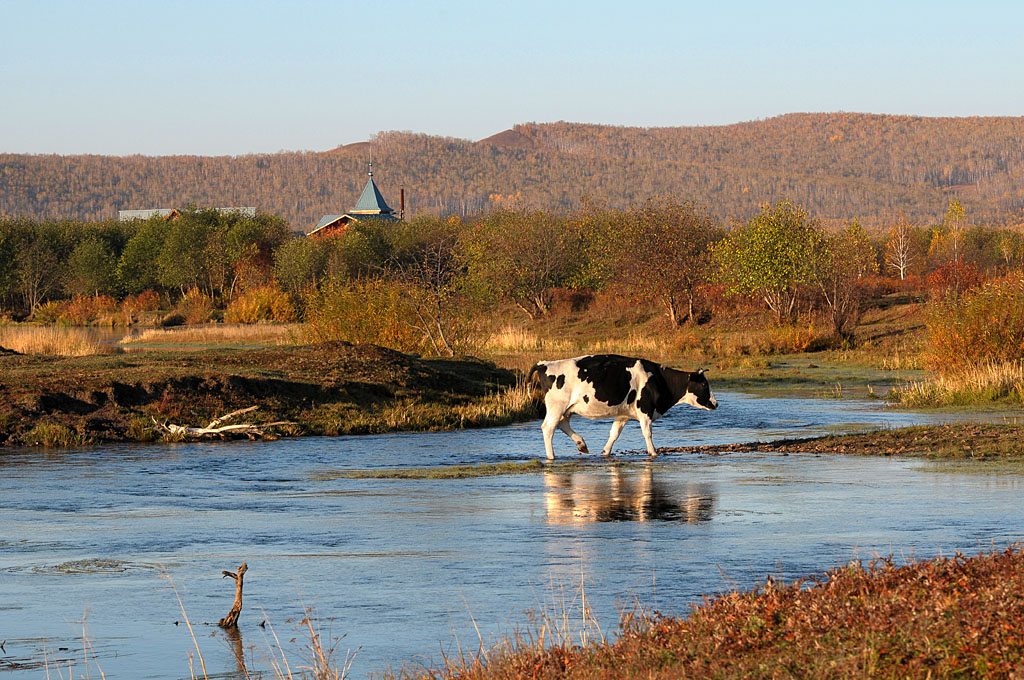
{"x": 535, "y": 383}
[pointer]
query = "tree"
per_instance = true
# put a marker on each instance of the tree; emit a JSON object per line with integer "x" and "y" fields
{"x": 520, "y": 256}
{"x": 662, "y": 252}
{"x": 91, "y": 268}
{"x": 954, "y": 222}
{"x": 899, "y": 248}
{"x": 842, "y": 260}
{"x": 771, "y": 257}
{"x": 431, "y": 265}
{"x": 300, "y": 264}
{"x": 37, "y": 271}
{"x": 138, "y": 266}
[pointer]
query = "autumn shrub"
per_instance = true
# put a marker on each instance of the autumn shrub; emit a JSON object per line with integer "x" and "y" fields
{"x": 263, "y": 303}
{"x": 48, "y": 312}
{"x": 83, "y": 310}
{"x": 984, "y": 325}
{"x": 363, "y": 311}
{"x": 134, "y": 305}
{"x": 874, "y": 286}
{"x": 955, "y": 277}
{"x": 195, "y": 306}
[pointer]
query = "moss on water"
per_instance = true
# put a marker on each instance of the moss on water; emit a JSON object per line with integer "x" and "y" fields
{"x": 464, "y": 471}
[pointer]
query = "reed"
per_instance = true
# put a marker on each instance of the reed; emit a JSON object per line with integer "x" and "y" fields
{"x": 219, "y": 335}
{"x": 52, "y": 341}
{"x": 972, "y": 384}
{"x": 517, "y": 339}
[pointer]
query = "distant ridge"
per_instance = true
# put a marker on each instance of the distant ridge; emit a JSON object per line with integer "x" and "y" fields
{"x": 509, "y": 139}
{"x": 840, "y": 166}
{"x": 354, "y": 147}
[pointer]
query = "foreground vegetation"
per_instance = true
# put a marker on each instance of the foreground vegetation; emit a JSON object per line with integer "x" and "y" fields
{"x": 943, "y": 618}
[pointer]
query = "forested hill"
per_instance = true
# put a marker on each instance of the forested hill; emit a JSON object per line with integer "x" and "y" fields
{"x": 839, "y": 166}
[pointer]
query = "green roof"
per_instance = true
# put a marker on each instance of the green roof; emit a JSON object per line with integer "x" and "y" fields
{"x": 371, "y": 202}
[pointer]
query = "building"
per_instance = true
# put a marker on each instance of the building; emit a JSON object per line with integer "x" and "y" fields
{"x": 370, "y": 206}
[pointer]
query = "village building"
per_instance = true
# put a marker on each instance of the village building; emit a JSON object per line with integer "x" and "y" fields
{"x": 370, "y": 206}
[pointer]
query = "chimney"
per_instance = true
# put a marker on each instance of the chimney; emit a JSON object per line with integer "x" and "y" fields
{"x": 401, "y": 200}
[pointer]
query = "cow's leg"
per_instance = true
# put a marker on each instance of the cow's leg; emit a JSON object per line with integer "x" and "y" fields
{"x": 564, "y": 426}
{"x": 548, "y": 428}
{"x": 616, "y": 431}
{"x": 645, "y": 427}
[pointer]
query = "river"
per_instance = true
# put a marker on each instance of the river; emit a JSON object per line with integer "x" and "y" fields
{"x": 98, "y": 544}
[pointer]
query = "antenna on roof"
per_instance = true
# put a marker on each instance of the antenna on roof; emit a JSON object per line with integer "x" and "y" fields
{"x": 371, "y": 169}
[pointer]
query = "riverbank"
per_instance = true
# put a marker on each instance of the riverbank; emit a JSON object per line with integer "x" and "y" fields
{"x": 955, "y": 441}
{"x": 325, "y": 389}
{"x": 948, "y": 617}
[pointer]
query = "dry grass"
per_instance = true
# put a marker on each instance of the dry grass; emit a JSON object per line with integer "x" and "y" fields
{"x": 52, "y": 341}
{"x": 971, "y": 385}
{"x": 518, "y": 339}
{"x": 219, "y": 335}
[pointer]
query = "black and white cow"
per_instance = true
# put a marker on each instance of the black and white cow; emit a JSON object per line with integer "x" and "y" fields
{"x": 612, "y": 386}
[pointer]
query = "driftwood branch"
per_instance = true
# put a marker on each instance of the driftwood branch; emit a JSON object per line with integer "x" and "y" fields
{"x": 231, "y": 620}
{"x": 216, "y": 429}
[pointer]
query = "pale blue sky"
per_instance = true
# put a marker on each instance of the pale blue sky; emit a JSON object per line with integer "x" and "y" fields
{"x": 208, "y": 77}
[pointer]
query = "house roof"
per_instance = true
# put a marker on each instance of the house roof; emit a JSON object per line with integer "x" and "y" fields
{"x": 325, "y": 220}
{"x": 371, "y": 202}
{"x": 328, "y": 220}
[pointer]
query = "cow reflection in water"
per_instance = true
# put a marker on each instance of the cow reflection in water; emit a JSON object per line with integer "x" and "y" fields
{"x": 622, "y": 495}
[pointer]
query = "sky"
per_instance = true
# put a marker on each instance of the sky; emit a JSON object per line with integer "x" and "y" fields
{"x": 230, "y": 78}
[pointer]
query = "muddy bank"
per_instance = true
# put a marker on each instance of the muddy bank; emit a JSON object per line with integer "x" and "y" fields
{"x": 967, "y": 441}
{"x": 329, "y": 388}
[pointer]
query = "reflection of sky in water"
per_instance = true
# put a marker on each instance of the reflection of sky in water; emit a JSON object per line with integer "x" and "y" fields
{"x": 405, "y": 565}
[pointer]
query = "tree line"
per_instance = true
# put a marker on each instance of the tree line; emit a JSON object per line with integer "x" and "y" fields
{"x": 423, "y": 284}
{"x": 838, "y": 166}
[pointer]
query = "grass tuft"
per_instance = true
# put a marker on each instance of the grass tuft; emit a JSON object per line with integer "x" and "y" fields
{"x": 53, "y": 434}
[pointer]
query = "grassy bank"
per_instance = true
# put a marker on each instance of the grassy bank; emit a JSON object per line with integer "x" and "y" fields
{"x": 943, "y": 618}
{"x": 329, "y": 388}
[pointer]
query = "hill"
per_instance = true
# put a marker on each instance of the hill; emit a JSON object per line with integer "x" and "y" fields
{"x": 839, "y": 165}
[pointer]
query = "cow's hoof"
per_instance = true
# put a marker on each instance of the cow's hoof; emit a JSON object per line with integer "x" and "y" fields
{"x": 606, "y": 454}
{"x": 583, "y": 448}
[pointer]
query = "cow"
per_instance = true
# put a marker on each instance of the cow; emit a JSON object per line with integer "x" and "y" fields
{"x": 612, "y": 386}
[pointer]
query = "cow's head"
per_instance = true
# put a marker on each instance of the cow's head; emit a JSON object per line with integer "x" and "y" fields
{"x": 698, "y": 392}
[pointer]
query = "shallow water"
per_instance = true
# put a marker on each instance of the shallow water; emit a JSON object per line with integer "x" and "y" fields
{"x": 407, "y": 567}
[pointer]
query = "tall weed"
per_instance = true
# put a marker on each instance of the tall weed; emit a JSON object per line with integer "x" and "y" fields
{"x": 981, "y": 326}
{"x": 363, "y": 311}
{"x": 263, "y": 303}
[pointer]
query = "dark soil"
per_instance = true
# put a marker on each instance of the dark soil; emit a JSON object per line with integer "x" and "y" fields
{"x": 965, "y": 441}
{"x": 100, "y": 396}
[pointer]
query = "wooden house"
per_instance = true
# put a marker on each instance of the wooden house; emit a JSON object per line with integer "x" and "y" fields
{"x": 370, "y": 206}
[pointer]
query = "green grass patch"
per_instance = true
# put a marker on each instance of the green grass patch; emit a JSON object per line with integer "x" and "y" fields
{"x": 53, "y": 434}
{"x": 1006, "y": 467}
